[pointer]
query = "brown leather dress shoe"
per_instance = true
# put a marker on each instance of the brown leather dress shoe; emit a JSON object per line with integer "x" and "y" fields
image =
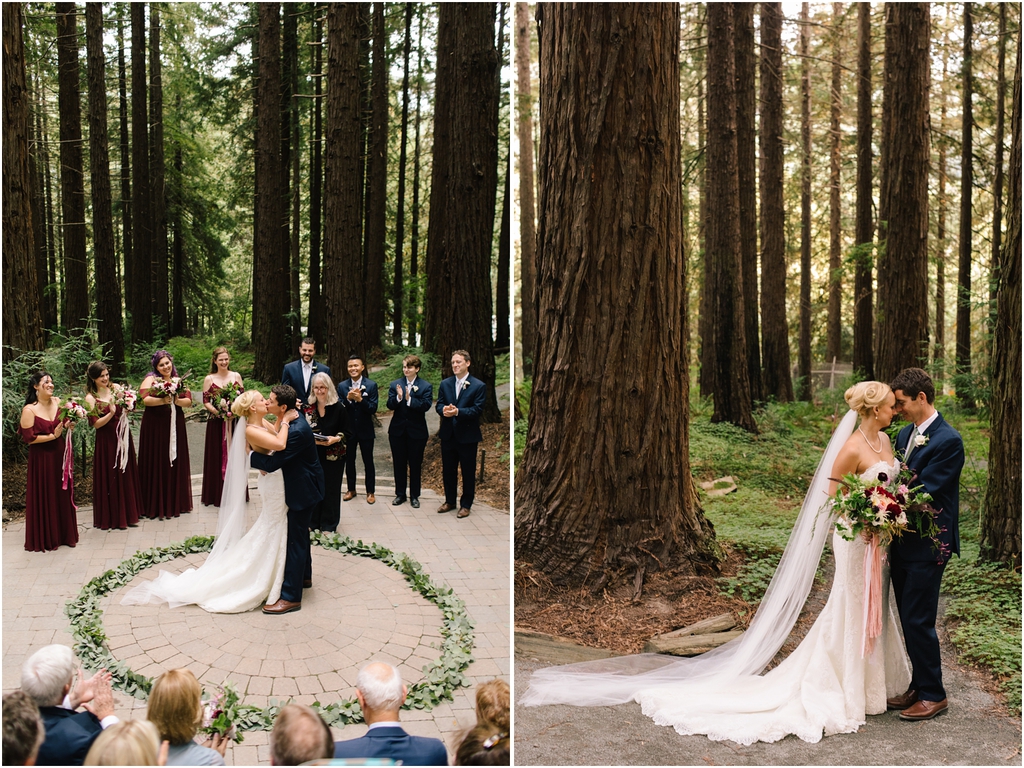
{"x": 371, "y": 499}
{"x": 902, "y": 701}
{"x": 349, "y": 496}
{"x": 463, "y": 512}
{"x": 282, "y": 606}
{"x": 924, "y": 710}
{"x": 307, "y": 584}
{"x": 446, "y": 507}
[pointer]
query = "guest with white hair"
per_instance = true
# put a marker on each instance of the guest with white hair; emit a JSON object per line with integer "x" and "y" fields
{"x": 49, "y": 677}
{"x": 381, "y": 694}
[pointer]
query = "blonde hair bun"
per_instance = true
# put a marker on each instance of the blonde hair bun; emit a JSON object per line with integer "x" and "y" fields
{"x": 866, "y": 395}
{"x": 243, "y": 403}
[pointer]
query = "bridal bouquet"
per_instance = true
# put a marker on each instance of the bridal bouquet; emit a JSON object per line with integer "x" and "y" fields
{"x": 885, "y": 507}
{"x": 170, "y": 388}
{"x": 220, "y": 712}
{"x": 125, "y": 396}
{"x": 72, "y": 411}
{"x": 224, "y": 396}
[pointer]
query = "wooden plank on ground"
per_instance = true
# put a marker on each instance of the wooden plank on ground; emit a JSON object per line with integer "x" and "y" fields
{"x": 560, "y": 650}
{"x": 707, "y": 626}
{"x": 690, "y": 645}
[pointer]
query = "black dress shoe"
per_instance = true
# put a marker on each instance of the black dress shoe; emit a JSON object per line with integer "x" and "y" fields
{"x": 306, "y": 584}
{"x": 398, "y": 500}
{"x": 414, "y": 502}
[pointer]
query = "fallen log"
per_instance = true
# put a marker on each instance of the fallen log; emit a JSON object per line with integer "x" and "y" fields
{"x": 690, "y": 645}
{"x": 705, "y": 627}
{"x": 545, "y": 647}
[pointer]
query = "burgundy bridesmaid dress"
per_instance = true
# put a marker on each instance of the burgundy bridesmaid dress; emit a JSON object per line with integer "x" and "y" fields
{"x": 116, "y": 494}
{"x": 50, "y": 518}
{"x": 215, "y": 456}
{"x": 166, "y": 487}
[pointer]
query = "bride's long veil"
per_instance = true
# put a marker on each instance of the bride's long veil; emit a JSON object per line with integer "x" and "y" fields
{"x": 193, "y": 585}
{"x": 617, "y": 680}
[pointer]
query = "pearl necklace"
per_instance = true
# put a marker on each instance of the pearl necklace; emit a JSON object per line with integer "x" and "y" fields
{"x": 876, "y": 450}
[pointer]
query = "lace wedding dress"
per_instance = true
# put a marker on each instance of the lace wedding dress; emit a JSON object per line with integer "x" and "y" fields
{"x": 245, "y": 569}
{"x": 823, "y": 687}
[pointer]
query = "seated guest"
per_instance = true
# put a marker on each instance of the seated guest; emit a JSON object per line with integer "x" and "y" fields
{"x": 176, "y": 709}
{"x": 136, "y": 742}
{"x": 23, "y": 729}
{"x": 47, "y": 677}
{"x": 381, "y": 694}
{"x": 299, "y": 735}
{"x": 492, "y": 703}
{"x": 484, "y": 745}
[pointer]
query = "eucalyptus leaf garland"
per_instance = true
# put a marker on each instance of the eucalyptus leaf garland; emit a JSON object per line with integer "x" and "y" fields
{"x": 441, "y": 678}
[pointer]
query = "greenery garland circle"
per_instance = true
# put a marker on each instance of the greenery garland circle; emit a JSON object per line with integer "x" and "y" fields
{"x": 441, "y": 678}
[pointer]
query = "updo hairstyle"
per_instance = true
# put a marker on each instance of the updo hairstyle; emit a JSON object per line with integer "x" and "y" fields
{"x": 243, "y": 403}
{"x": 866, "y": 396}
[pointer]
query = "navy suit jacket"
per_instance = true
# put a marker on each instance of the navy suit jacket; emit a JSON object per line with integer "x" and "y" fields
{"x": 396, "y": 744}
{"x": 410, "y": 420}
{"x": 300, "y": 465}
{"x": 68, "y": 736}
{"x": 937, "y": 464}
{"x": 360, "y": 415}
{"x": 464, "y": 428}
{"x": 292, "y": 376}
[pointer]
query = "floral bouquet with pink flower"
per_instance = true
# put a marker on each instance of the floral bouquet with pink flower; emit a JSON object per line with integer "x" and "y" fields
{"x": 886, "y": 507}
{"x": 169, "y": 388}
{"x": 72, "y": 411}
{"x": 220, "y": 713}
{"x": 125, "y": 396}
{"x": 224, "y": 396}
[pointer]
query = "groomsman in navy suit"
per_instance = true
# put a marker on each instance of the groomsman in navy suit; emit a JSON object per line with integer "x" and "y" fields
{"x": 359, "y": 396}
{"x": 410, "y": 398}
{"x": 297, "y": 374}
{"x": 460, "y": 401}
{"x": 935, "y": 451}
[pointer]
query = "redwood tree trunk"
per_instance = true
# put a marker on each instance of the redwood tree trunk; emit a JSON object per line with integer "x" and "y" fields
{"x": 142, "y": 287}
{"x": 270, "y": 330}
{"x": 460, "y": 234}
{"x": 746, "y": 147}
{"x": 108, "y": 287}
{"x": 1001, "y": 521}
{"x": 527, "y": 211}
{"x": 939, "y": 345}
{"x": 314, "y": 320}
{"x": 778, "y": 382}
{"x": 23, "y": 326}
{"x": 833, "y": 330}
{"x": 903, "y": 274}
{"x": 158, "y": 173}
{"x": 805, "y": 392}
{"x": 997, "y": 183}
{"x": 502, "y": 335}
{"x": 604, "y": 491}
{"x": 415, "y": 315}
{"x": 126, "y": 184}
{"x": 398, "y": 284}
{"x": 724, "y": 286}
{"x": 343, "y": 254}
{"x": 376, "y": 231}
{"x": 963, "y": 293}
{"x": 863, "y": 354}
{"x": 72, "y": 174}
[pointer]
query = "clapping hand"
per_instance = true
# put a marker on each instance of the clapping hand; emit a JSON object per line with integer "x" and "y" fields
{"x": 450, "y": 410}
{"x": 355, "y": 395}
{"x": 85, "y": 690}
{"x": 401, "y": 394}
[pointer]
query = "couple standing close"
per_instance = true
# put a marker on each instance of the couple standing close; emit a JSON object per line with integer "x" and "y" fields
{"x": 830, "y": 682}
{"x": 271, "y": 561}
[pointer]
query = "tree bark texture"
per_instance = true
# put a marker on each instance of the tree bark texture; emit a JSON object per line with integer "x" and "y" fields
{"x": 804, "y": 353}
{"x": 1001, "y": 519}
{"x": 726, "y": 324}
{"x": 778, "y": 382}
{"x": 398, "y": 283}
{"x": 314, "y": 320}
{"x": 746, "y": 147}
{"x": 23, "y": 327}
{"x": 72, "y": 173}
{"x": 963, "y": 293}
{"x": 291, "y": 107}
{"x": 270, "y": 328}
{"x": 503, "y": 333}
{"x": 863, "y": 290}
{"x": 833, "y": 329}
{"x": 126, "y": 182}
{"x": 158, "y": 173}
{"x": 142, "y": 286}
{"x": 415, "y": 313}
{"x": 605, "y": 492}
{"x": 527, "y": 208}
{"x": 37, "y": 193}
{"x": 939, "y": 345}
{"x": 903, "y": 274}
{"x": 108, "y": 286}
{"x": 462, "y": 192}
{"x": 997, "y": 182}
{"x": 376, "y": 231}
{"x": 343, "y": 254}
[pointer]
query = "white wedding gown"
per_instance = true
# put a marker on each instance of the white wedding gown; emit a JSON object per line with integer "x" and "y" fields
{"x": 241, "y": 572}
{"x": 823, "y": 687}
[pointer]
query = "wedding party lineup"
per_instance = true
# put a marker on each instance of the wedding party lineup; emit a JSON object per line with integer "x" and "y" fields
{"x": 499, "y": 383}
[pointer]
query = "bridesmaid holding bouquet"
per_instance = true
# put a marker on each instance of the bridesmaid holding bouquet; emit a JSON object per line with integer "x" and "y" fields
{"x": 117, "y": 496}
{"x": 50, "y": 518}
{"x": 220, "y": 388}
{"x": 164, "y": 469}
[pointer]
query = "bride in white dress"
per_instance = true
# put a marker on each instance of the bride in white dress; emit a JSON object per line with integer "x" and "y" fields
{"x": 245, "y": 569}
{"x": 823, "y": 687}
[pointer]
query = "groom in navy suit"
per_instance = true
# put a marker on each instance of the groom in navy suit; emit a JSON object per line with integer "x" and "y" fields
{"x": 303, "y": 490}
{"x": 460, "y": 401}
{"x": 934, "y": 450}
{"x": 298, "y": 374}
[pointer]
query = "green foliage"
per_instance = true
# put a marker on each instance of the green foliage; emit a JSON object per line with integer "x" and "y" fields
{"x": 752, "y": 578}
{"x": 972, "y": 388}
{"x": 520, "y": 427}
{"x": 441, "y": 677}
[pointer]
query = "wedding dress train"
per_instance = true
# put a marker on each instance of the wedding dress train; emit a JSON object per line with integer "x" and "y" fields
{"x": 245, "y": 569}
{"x": 823, "y": 687}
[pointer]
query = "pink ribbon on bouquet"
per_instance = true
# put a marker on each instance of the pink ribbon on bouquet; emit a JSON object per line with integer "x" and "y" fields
{"x": 69, "y": 466}
{"x": 121, "y": 455}
{"x": 872, "y": 596}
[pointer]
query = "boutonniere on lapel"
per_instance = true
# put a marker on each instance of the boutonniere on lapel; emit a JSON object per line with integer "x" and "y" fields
{"x": 920, "y": 440}
{"x": 466, "y": 385}
{"x": 415, "y": 388}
